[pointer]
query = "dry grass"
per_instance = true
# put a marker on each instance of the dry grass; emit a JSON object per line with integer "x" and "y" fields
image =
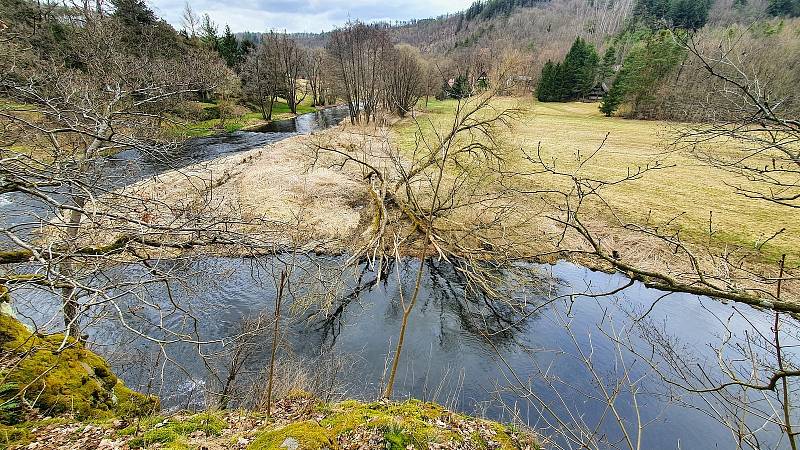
{"x": 285, "y": 192}
{"x": 275, "y": 195}
{"x": 686, "y": 193}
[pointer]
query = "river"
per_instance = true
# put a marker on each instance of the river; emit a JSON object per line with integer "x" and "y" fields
{"x": 505, "y": 359}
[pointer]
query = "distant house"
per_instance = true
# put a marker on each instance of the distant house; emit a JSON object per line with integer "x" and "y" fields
{"x": 597, "y": 94}
{"x": 520, "y": 84}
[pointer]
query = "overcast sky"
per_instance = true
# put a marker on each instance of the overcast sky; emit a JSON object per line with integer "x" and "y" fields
{"x": 303, "y": 15}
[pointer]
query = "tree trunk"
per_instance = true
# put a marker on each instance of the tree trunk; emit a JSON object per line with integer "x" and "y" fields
{"x": 68, "y": 299}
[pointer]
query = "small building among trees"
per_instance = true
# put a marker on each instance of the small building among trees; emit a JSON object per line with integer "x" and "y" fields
{"x": 597, "y": 94}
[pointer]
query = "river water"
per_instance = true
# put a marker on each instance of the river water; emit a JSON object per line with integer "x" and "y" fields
{"x": 512, "y": 358}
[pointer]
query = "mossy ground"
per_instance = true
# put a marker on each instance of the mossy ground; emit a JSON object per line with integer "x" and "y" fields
{"x": 391, "y": 425}
{"x": 173, "y": 432}
{"x": 297, "y": 422}
{"x": 85, "y": 405}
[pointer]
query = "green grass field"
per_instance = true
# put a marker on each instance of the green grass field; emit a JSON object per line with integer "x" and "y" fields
{"x": 686, "y": 194}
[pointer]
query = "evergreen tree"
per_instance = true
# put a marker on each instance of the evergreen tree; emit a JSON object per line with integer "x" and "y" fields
{"x": 689, "y": 14}
{"x": 134, "y": 12}
{"x": 572, "y": 79}
{"x": 545, "y": 88}
{"x": 208, "y": 32}
{"x": 789, "y": 8}
{"x": 561, "y": 88}
{"x": 461, "y": 88}
{"x": 585, "y": 72}
{"x": 139, "y": 24}
{"x": 606, "y": 70}
{"x": 229, "y": 48}
{"x": 645, "y": 67}
{"x": 245, "y": 47}
{"x": 686, "y": 14}
{"x": 613, "y": 98}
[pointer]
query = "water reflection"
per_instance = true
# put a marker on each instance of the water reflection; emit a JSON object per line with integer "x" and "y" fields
{"x": 307, "y": 123}
{"x": 462, "y": 348}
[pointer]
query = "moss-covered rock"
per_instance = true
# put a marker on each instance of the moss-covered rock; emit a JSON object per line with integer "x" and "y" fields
{"x": 58, "y": 376}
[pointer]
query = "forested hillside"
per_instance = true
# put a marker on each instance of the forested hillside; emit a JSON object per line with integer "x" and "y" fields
{"x": 533, "y": 32}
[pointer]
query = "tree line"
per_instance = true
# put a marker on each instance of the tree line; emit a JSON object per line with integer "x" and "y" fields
{"x": 646, "y": 68}
{"x": 359, "y": 64}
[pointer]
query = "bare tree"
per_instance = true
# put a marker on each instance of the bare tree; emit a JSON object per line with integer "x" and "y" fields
{"x": 315, "y": 75}
{"x": 291, "y": 58}
{"x": 77, "y": 223}
{"x": 405, "y": 80}
{"x": 190, "y": 21}
{"x": 359, "y": 53}
{"x": 261, "y": 75}
{"x": 437, "y": 195}
{"x": 756, "y": 118}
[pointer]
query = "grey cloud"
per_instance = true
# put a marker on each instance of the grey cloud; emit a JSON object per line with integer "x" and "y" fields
{"x": 304, "y": 15}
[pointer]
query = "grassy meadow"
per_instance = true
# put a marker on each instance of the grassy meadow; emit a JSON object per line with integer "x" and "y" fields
{"x": 685, "y": 194}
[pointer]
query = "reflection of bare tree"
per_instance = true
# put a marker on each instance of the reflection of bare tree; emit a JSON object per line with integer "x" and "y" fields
{"x": 478, "y": 313}
{"x": 330, "y": 324}
{"x": 747, "y": 382}
{"x": 563, "y": 403}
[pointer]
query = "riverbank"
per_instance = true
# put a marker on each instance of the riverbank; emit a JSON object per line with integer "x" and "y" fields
{"x": 198, "y": 119}
{"x": 53, "y": 398}
{"x": 289, "y": 195}
{"x": 297, "y": 422}
{"x": 280, "y": 196}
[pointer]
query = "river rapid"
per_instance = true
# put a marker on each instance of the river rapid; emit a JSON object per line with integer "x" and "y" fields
{"x": 538, "y": 355}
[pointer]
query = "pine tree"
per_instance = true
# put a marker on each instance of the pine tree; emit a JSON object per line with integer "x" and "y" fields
{"x": 689, "y": 14}
{"x": 544, "y": 90}
{"x": 579, "y": 70}
{"x": 645, "y": 67}
{"x": 229, "y": 48}
{"x": 571, "y": 66}
{"x": 460, "y": 88}
{"x": 133, "y": 12}
{"x": 613, "y": 98}
{"x": 686, "y": 14}
{"x": 606, "y": 70}
{"x": 586, "y": 74}
{"x": 789, "y": 8}
{"x": 208, "y": 32}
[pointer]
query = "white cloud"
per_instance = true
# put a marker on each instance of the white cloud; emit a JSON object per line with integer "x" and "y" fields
{"x": 303, "y": 15}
